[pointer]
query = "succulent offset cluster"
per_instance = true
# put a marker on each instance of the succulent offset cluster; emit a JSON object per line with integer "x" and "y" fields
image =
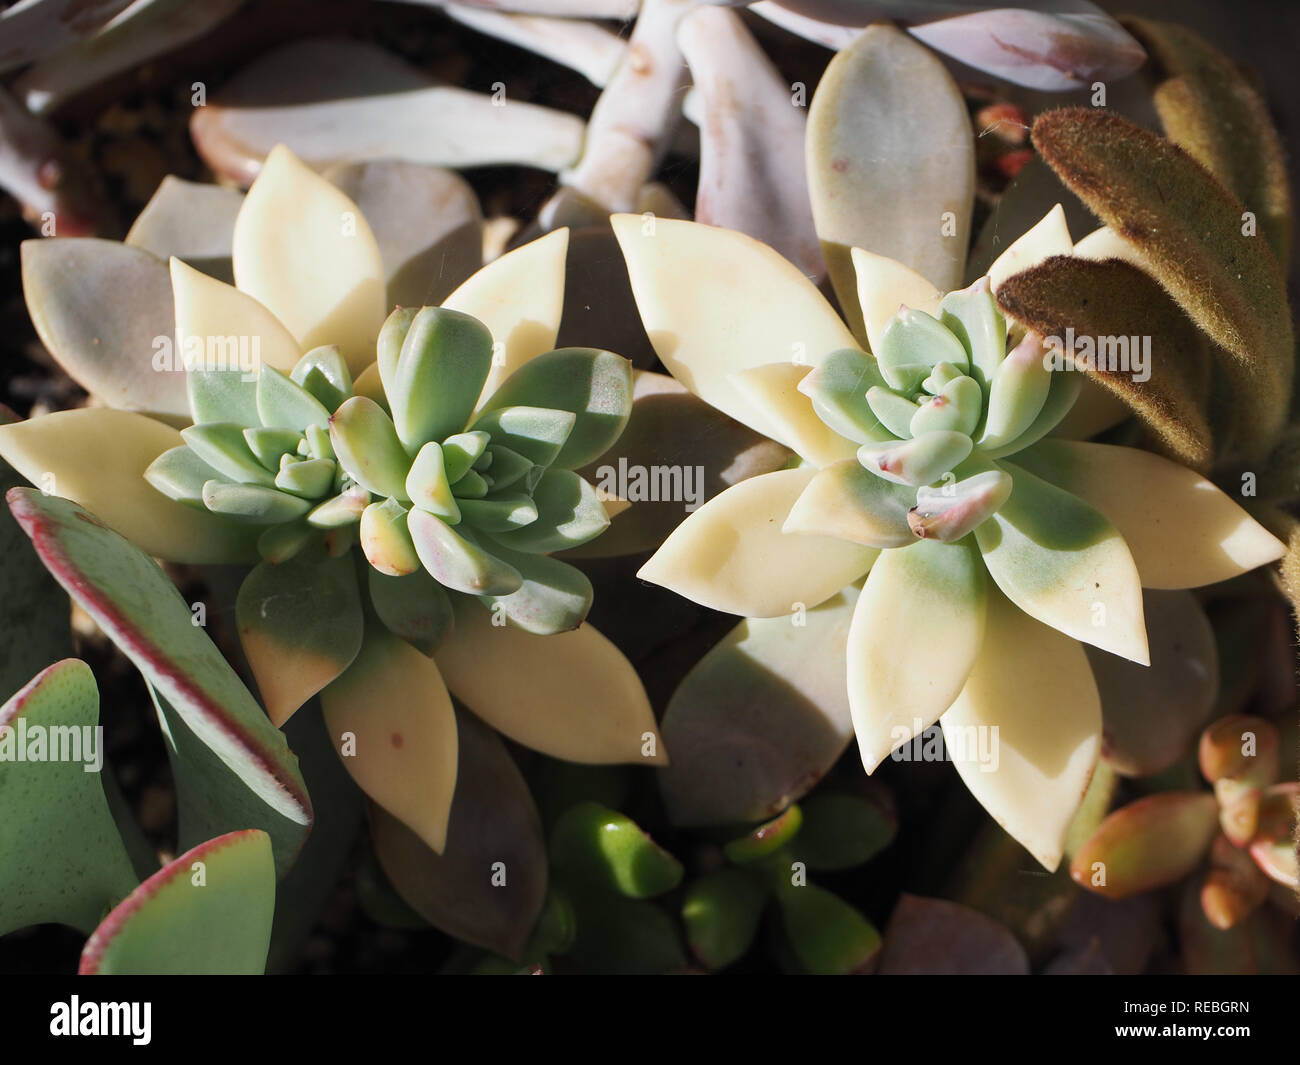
{"x": 941, "y": 400}
{"x": 415, "y": 473}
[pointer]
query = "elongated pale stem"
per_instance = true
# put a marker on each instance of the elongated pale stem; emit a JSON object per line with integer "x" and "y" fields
{"x": 591, "y": 50}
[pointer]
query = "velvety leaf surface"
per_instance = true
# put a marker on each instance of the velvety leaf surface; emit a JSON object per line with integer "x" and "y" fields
{"x": 74, "y": 291}
{"x": 1190, "y": 229}
{"x": 208, "y": 912}
{"x": 936, "y": 936}
{"x": 63, "y": 858}
{"x": 760, "y": 719}
{"x": 493, "y": 820}
{"x": 135, "y": 604}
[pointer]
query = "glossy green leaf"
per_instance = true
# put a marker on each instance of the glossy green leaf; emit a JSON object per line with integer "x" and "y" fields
{"x": 457, "y": 562}
{"x": 268, "y": 445}
{"x": 536, "y": 433}
{"x": 282, "y": 404}
{"x": 461, "y": 451}
{"x": 827, "y": 935}
{"x": 600, "y": 847}
{"x": 368, "y": 447}
{"x": 921, "y": 460}
{"x": 838, "y": 389}
{"x": 972, "y": 316}
{"x": 428, "y": 483}
{"x": 223, "y": 447}
{"x": 569, "y": 513}
{"x": 324, "y": 373}
{"x": 766, "y": 839}
{"x": 181, "y": 474}
{"x": 499, "y": 513}
{"x": 253, "y": 503}
{"x": 222, "y": 396}
{"x": 310, "y": 479}
{"x": 386, "y": 540}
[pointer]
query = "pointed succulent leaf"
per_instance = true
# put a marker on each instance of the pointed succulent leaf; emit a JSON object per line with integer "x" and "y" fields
{"x": 73, "y": 289}
{"x": 880, "y": 176}
{"x": 884, "y": 285}
{"x": 846, "y": 502}
{"x": 1047, "y": 238}
{"x": 1064, "y": 564}
{"x": 303, "y": 250}
{"x": 721, "y": 912}
{"x": 765, "y": 839}
{"x": 472, "y": 485}
{"x": 894, "y": 411}
{"x": 461, "y": 451}
{"x": 838, "y": 389}
{"x": 499, "y": 513}
{"x": 595, "y": 386}
{"x": 572, "y": 695}
{"x": 1183, "y": 532}
{"x": 222, "y": 396}
{"x": 706, "y": 325}
{"x": 732, "y": 555}
{"x": 221, "y": 328}
{"x": 827, "y": 936}
{"x": 1063, "y": 389}
{"x": 192, "y": 220}
{"x": 252, "y": 503}
{"x": 1188, "y": 227}
{"x": 309, "y": 479}
{"x": 1149, "y": 843}
{"x": 948, "y": 514}
{"x": 400, "y": 748}
{"x": 343, "y": 509}
{"x": 972, "y": 316}
{"x": 64, "y": 858}
{"x": 135, "y": 604}
{"x": 603, "y": 848}
{"x": 569, "y": 513}
{"x": 955, "y": 407}
{"x": 916, "y": 599}
{"x": 427, "y": 482}
{"x": 283, "y": 404}
{"x": 939, "y": 936}
{"x": 51, "y": 451}
{"x": 1029, "y": 778}
{"x": 493, "y": 819}
{"x": 223, "y": 447}
{"x": 910, "y": 346}
{"x": 537, "y": 433}
{"x": 173, "y": 924}
{"x": 554, "y": 597}
{"x": 300, "y": 625}
{"x": 180, "y": 474}
{"x": 773, "y": 391}
{"x": 270, "y": 445}
{"x": 368, "y": 447}
{"x": 324, "y": 373}
{"x": 508, "y": 467}
{"x": 279, "y": 543}
{"x": 1017, "y": 393}
{"x": 436, "y": 380}
{"x": 414, "y": 607}
{"x": 921, "y": 460}
{"x": 760, "y": 719}
{"x": 386, "y": 540}
{"x": 457, "y": 562}
{"x": 842, "y": 830}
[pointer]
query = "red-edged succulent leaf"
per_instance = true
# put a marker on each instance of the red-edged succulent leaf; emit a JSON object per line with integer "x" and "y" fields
{"x": 63, "y": 858}
{"x": 140, "y": 610}
{"x": 208, "y": 912}
{"x": 300, "y": 624}
{"x": 938, "y": 936}
{"x": 494, "y": 832}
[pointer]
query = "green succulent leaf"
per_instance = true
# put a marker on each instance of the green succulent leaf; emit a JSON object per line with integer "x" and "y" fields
{"x": 428, "y": 483}
{"x": 595, "y": 386}
{"x": 1017, "y": 394}
{"x": 765, "y": 839}
{"x": 554, "y": 597}
{"x": 842, "y": 830}
{"x": 827, "y": 936}
{"x": 721, "y": 912}
{"x": 972, "y": 316}
{"x": 602, "y": 848}
{"x": 569, "y": 513}
{"x": 462, "y": 450}
{"x": 179, "y": 473}
{"x": 956, "y": 406}
{"x": 222, "y": 396}
{"x": 838, "y": 389}
{"x": 414, "y": 607}
{"x": 324, "y": 373}
{"x": 64, "y": 860}
{"x": 250, "y": 777}
{"x": 499, "y": 513}
{"x": 912, "y": 344}
{"x": 368, "y": 447}
{"x": 343, "y": 509}
{"x": 310, "y": 479}
{"x": 223, "y": 447}
{"x": 921, "y": 460}
{"x": 537, "y": 433}
{"x": 893, "y": 411}
{"x": 508, "y": 467}
{"x": 457, "y": 562}
{"x": 282, "y": 404}
{"x": 177, "y": 923}
{"x": 253, "y": 503}
{"x": 269, "y": 445}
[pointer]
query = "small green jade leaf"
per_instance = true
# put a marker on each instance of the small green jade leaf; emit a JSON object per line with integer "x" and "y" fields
{"x": 850, "y": 503}
{"x": 841, "y": 830}
{"x": 595, "y": 386}
{"x": 64, "y": 860}
{"x": 508, "y": 467}
{"x": 600, "y": 847}
{"x": 536, "y": 433}
{"x": 457, "y": 563}
{"x": 324, "y": 373}
{"x": 1017, "y": 394}
{"x": 300, "y": 626}
{"x": 921, "y": 460}
{"x": 309, "y": 479}
{"x": 950, "y": 512}
{"x": 179, "y": 473}
{"x": 893, "y": 411}
{"x": 569, "y": 513}
{"x": 250, "y": 777}
{"x": 499, "y": 513}
{"x": 462, "y": 450}
{"x": 345, "y": 508}
{"x": 438, "y": 373}
{"x": 253, "y": 503}
{"x": 956, "y": 406}
{"x": 972, "y": 316}
{"x": 721, "y": 912}
{"x": 1147, "y": 844}
{"x": 554, "y": 597}
{"x": 281, "y": 404}
{"x": 912, "y": 343}
{"x": 386, "y": 540}
{"x": 765, "y": 839}
{"x": 826, "y": 935}
{"x": 414, "y": 607}
{"x": 268, "y": 445}
{"x": 368, "y": 447}
{"x": 428, "y": 483}
{"x": 177, "y": 923}
{"x": 223, "y": 447}
{"x": 222, "y": 396}
{"x": 838, "y": 389}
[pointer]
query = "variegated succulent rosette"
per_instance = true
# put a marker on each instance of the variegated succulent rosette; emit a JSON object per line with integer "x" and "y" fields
{"x": 986, "y": 549}
{"x": 440, "y": 441}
